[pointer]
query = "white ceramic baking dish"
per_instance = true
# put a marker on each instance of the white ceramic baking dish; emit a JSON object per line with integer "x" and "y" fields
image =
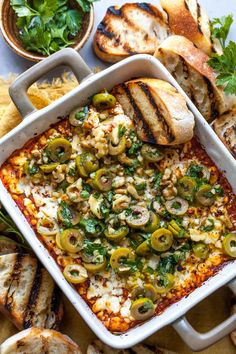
{"x": 36, "y": 122}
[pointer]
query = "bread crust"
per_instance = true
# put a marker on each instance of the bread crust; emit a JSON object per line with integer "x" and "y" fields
{"x": 197, "y": 60}
{"x": 39, "y": 341}
{"x": 113, "y": 42}
{"x": 159, "y": 111}
{"x": 195, "y": 27}
{"x": 225, "y": 128}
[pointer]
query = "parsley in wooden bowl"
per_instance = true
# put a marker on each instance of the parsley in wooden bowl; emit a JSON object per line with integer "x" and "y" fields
{"x": 38, "y": 28}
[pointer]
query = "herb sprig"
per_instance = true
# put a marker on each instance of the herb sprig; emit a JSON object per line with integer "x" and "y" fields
{"x": 10, "y": 229}
{"x": 224, "y": 64}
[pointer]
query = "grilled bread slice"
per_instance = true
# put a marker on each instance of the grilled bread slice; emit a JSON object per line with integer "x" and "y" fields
{"x": 187, "y": 18}
{"x": 188, "y": 65}
{"x": 129, "y": 29}
{"x": 8, "y": 246}
{"x": 225, "y": 128}
{"x": 159, "y": 111}
{"x": 97, "y": 347}
{"x": 28, "y": 295}
{"x": 39, "y": 341}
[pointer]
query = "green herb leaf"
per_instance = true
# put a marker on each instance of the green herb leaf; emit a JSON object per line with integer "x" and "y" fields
{"x": 225, "y": 65}
{"x": 11, "y": 229}
{"x": 90, "y": 247}
{"x": 220, "y": 28}
{"x": 22, "y": 8}
{"x": 66, "y": 214}
{"x": 85, "y": 4}
{"x": 209, "y": 227}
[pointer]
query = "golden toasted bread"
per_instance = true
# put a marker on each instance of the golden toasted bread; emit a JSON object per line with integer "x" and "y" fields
{"x": 187, "y": 18}
{"x": 28, "y": 295}
{"x": 159, "y": 111}
{"x": 129, "y": 29}
{"x": 188, "y": 65}
{"x": 39, "y": 341}
{"x": 225, "y": 128}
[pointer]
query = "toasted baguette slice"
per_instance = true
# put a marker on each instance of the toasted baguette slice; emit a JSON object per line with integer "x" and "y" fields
{"x": 28, "y": 295}
{"x": 159, "y": 111}
{"x": 39, "y": 341}
{"x": 187, "y": 18}
{"x": 129, "y": 29}
{"x": 188, "y": 65}
{"x": 8, "y": 246}
{"x": 97, "y": 347}
{"x": 225, "y": 128}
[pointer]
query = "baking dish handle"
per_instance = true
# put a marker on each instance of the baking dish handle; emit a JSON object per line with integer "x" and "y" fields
{"x": 199, "y": 341}
{"x": 68, "y": 56}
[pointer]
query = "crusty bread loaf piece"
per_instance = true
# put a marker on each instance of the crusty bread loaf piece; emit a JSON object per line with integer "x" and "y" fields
{"x": 97, "y": 347}
{"x": 159, "y": 111}
{"x": 129, "y": 29}
{"x": 188, "y": 65}
{"x": 225, "y": 128}
{"x": 28, "y": 295}
{"x": 8, "y": 246}
{"x": 39, "y": 341}
{"x": 187, "y": 18}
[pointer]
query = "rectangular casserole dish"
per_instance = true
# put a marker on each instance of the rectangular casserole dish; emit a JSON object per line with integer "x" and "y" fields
{"x": 36, "y": 122}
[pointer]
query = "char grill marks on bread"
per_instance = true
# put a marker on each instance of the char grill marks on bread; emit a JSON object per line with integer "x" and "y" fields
{"x": 159, "y": 111}
{"x": 187, "y": 18}
{"x": 130, "y": 29}
{"x": 189, "y": 67}
{"x": 39, "y": 341}
{"x": 28, "y": 295}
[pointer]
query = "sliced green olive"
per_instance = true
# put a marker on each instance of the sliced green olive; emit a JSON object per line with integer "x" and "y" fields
{"x": 177, "y": 206}
{"x": 78, "y": 115}
{"x": 148, "y": 291}
{"x": 161, "y": 240}
{"x": 75, "y": 273}
{"x": 47, "y": 227}
{"x": 142, "y": 309}
{"x": 176, "y": 229}
{"x": 95, "y": 267}
{"x": 68, "y": 216}
{"x": 103, "y": 180}
{"x": 143, "y": 249}
{"x": 103, "y": 100}
{"x": 205, "y": 196}
{"x": 86, "y": 163}
{"x": 120, "y": 259}
{"x": 229, "y": 245}
{"x": 151, "y": 153}
{"x": 186, "y": 187}
{"x": 72, "y": 240}
{"x": 117, "y": 235}
{"x": 59, "y": 150}
{"x": 49, "y": 167}
{"x": 200, "y": 250}
{"x": 168, "y": 283}
{"x": 153, "y": 222}
{"x": 117, "y": 149}
{"x": 138, "y": 217}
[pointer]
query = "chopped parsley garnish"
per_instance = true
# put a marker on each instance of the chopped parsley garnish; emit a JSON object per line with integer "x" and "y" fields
{"x": 72, "y": 171}
{"x": 90, "y": 247}
{"x": 133, "y": 265}
{"x": 136, "y": 143}
{"x": 167, "y": 265}
{"x": 176, "y": 205}
{"x": 65, "y": 213}
{"x": 219, "y": 191}
{"x": 121, "y": 130}
{"x": 209, "y": 227}
{"x": 92, "y": 226}
{"x": 194, "y": 171}
{"x": 84, "y": 194}
{"x": 141, "y": 186}
{"x": 157, "y": 180}
{"x": 81, "y": 115}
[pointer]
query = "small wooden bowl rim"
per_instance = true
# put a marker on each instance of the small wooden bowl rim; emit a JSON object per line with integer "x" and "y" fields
{"x": 19, "y": 49}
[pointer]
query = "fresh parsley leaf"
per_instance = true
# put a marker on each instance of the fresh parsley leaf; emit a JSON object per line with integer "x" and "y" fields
{"x": 90, "y": 247}
{"x": 121, "y": 130}
{"x": 22, "y": 8}
{"x": 167, "y": 265}
{"x": 220, "y": 191}
{"x": 194, "y": 171}
{"x": 133, "y": 265}
{"x": 92, "y": 226}
{"x": 220, "y": 28}
{"x": 157, "y": 180}
{"x": 225, "y": 65}
{"x": 85, "y": 4}
{"x": 66, "y": 214}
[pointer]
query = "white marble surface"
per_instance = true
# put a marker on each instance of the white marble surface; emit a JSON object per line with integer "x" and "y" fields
{"x": 12, "y": 63}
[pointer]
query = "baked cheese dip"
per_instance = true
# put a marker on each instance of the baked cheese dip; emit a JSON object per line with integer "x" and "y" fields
{"x": 134, "y": 227}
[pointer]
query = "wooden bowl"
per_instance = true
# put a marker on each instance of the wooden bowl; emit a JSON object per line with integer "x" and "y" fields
{"x": 10, "y": 31}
